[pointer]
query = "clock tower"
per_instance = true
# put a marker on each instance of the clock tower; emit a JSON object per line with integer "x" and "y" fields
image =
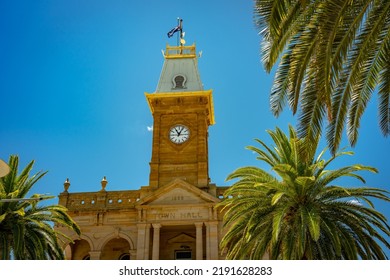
{"x": 176, "y": 216}
{"x": 182, "y": 112}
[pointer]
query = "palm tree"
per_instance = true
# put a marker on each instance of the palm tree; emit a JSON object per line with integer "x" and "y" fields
{"x": 26, "y": 228}
{"x": 332, "y": 56}
{"x": 299, "y": 212}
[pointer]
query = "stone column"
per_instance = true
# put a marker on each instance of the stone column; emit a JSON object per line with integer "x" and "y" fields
{"x": 213, "y": 240}
{"x": 141, "y": 241}
{"x": 147, "y": 241}
{"x": 133, "y": 254}
{"x": 199, "y": 241}
{"x": 94, "y": 255}
{"x": 156, "y": 241}
{"x": 207, "y": 242}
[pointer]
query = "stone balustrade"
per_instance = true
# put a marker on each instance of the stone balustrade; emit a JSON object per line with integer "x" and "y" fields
{"x": 99, "y": 200}
{"x": 220, "y": 192}
{"x": 84, "y": 201}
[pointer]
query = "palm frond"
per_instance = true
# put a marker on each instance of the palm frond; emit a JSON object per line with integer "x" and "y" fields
{"x": 333, "y": 55}
{"x": 299, "y": 214}
{"x": 26, "y": 228}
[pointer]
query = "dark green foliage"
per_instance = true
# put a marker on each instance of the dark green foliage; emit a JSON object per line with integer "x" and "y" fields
{"x": 297, "y": 211}
{"x": 26, "y": 228}
{"x": 333, "y": 55}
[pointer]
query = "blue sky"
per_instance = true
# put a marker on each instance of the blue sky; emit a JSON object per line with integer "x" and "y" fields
{"x": 72, "y": 81}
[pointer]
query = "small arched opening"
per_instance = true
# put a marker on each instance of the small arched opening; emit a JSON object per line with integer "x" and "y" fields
{"x": 116, "y": 249}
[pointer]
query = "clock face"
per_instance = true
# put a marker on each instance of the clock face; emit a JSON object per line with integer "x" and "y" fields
{"x": 179, "y": 134}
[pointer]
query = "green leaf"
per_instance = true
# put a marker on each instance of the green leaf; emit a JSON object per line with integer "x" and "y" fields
{"x": 276, "y": 197}
{"x": 314, "y": 225}
{"x": 2, "y": 217}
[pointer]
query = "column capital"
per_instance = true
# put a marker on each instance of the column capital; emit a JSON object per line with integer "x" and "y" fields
{"x": 198, "y": 224}
{"x": 156, "y": 226}
{"x": 141, "y": 226}
{"x": 211, "y": 223}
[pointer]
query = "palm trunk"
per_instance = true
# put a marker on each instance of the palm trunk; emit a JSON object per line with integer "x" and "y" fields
{"x": 5, "y": 248}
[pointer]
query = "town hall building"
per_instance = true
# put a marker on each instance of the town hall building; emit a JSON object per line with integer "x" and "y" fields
{"x": 175, "y": 216}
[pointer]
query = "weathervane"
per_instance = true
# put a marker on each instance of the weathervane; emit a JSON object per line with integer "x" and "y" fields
{"x": 179, "y": 27}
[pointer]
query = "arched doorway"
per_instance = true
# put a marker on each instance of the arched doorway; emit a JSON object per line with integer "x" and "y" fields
{"x": 116, "y": 249}
{"x": 79, "y": 250}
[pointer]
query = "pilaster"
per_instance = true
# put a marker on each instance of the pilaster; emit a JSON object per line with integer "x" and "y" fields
{"x": 141, "y": 241}
{"x": 199, "y": 241}
{"x": 156, "y": 241}
{"x": 95, "y": 255}
{"x": 212, "y": 233}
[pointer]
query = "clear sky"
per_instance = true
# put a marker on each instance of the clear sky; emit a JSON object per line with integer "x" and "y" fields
{"x": 73, "y": 75}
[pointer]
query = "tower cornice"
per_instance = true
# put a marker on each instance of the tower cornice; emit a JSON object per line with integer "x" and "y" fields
{"x": 158, "y": 100}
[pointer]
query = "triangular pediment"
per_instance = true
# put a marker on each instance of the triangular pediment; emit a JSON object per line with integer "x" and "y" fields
{"x": 178, "y": 192}
{"x": 182, "y": 238}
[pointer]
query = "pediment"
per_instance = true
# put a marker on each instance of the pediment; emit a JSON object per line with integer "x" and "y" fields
{"x": 178, "y": 192}
{"x": 182, "y": 238}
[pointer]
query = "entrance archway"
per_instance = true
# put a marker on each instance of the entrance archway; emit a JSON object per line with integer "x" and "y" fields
{"x": 178, "y": 242}
{"x": 116, "y": 249}
{"x": 79, "y": 250}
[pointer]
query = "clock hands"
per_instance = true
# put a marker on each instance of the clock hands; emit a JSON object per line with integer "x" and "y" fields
{"x": 181, "y": 128}
{"x": 179, "y": 134}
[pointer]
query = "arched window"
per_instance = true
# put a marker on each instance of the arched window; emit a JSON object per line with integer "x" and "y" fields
{"x": 125, "y": 256}
{"x": 179, "y": 82}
